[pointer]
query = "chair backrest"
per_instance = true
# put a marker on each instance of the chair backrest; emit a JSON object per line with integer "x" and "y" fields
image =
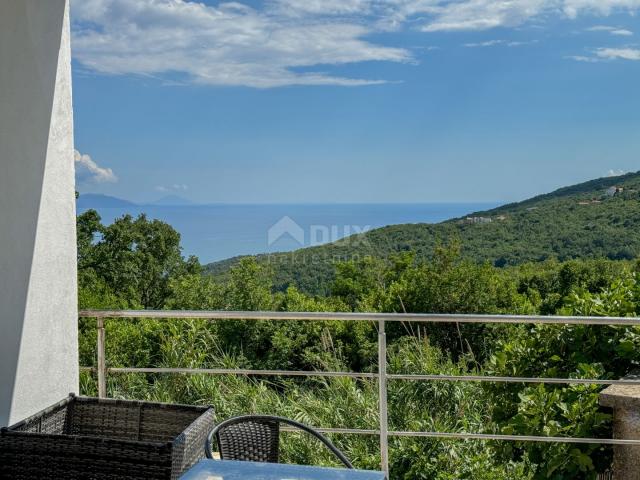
{"x": 249, "y": 439}
{"x": 256, "y": 438}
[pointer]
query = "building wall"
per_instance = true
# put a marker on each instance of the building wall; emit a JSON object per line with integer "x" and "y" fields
{"x": 38, "y": 296}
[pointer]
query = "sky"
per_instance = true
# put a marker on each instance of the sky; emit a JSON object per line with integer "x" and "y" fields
{"x": 353, "y": 101}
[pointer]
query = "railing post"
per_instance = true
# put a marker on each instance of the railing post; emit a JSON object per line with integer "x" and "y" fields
{"x": 382, "y": 401}
{"x": 102, "y": 366}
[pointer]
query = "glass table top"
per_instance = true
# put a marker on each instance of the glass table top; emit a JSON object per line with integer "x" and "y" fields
{"x": 231, "y": 470}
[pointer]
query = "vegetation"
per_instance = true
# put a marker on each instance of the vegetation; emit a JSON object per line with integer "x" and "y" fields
{"x": 576, "y": 222}
{"x": 137, "y": 263}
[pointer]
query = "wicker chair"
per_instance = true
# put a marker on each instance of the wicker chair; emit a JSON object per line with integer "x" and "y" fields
{"x": 256, "y": 438}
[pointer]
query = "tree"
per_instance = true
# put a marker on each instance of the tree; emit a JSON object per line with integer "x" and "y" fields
{"x": 134, "y": 258}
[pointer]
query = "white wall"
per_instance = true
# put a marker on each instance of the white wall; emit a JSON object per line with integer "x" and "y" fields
{"x": 38, "y": 297}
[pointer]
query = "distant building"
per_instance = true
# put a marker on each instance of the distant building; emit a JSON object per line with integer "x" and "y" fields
{"x": 478, "y": 220}
{"x": 613, "y": 191}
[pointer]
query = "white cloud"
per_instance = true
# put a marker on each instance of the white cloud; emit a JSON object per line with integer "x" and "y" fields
{"x": 618, "y": 53}
{"x": 519, "y": 44}
{"x": 601, "y": 7}
{"x": 176, "y": 187}
{"x": 582, "y": 58}
{"x": 322, "y": 7}
{"x": 600, "y": 28}
{"x": 492, "y": 43}
{"x": 486, "y": 14}
{"x": 615, "y": 173}
{"x": 284, "y": 42}
{"x": 488, "y": 43}
{"x": 622, "y": 32}
{"x": 88, "y": 170}
{"x": 608, "y": 54}
{"x": 230, "y": 44}
{"x": 612, "y": 30}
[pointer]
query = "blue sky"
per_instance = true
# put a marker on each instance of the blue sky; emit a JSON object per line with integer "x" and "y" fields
{"x": 309, "y": 101}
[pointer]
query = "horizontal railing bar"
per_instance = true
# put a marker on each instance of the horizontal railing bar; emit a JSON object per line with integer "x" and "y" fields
{"x": 363, "y": 317}
{"x": 345, "y": 431}
{"x": 295, "y": 373}
{"x": 487, "y": 378}
{"x": 480, "y": 436}
{"x": 230, "y": 371}
{"x": 515, "y": 438}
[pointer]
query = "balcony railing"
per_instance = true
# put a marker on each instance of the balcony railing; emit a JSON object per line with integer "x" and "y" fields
{"x": 382, "y": 376}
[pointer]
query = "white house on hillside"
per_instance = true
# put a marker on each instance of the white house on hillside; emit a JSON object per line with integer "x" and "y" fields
{"x": 612, "y": 191}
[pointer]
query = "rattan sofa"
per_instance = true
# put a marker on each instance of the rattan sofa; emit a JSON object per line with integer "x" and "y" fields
{"x": 89, "y": 438}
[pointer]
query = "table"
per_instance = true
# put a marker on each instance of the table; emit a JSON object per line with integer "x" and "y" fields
{"x": 233, "y": 470}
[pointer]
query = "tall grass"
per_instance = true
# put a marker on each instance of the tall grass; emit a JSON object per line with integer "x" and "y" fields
{"x": 317, "y": 401}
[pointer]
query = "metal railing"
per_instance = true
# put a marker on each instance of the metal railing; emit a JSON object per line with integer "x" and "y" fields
{"x": 382, "y": 376}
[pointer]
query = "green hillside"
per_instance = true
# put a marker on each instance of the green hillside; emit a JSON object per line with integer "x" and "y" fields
{"x": 579, "y": 221}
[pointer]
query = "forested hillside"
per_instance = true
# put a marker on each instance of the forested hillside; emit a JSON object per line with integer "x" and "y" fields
{"x": 580, "y": 221}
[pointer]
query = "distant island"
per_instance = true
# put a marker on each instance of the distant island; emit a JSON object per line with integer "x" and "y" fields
{"x": 595, "y": 219}
{"x": 97, "y": 200}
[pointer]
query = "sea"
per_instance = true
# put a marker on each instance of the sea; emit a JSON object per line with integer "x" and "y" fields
{"x": 218, "y": 232}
